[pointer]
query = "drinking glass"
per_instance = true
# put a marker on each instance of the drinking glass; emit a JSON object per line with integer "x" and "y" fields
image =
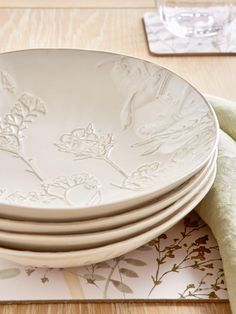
{"x": 196, "y": 18}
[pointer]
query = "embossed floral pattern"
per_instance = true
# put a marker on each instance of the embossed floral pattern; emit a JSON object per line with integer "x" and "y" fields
{"x": 58, "y": 190}
{"x": 7, "y": 82}
{"x": 25, "y": 111}
{"x": 142, "y": 178}
{"x": 84, "y": 143}
{"x": 148, "y": 80}
{"x": 166, "y": 131}
{"x": 62, "y": 186}
{"x": 175, "y": 124}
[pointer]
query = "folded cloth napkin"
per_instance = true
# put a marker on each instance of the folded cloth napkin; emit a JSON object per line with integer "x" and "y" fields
{"x": 218, "y": 209}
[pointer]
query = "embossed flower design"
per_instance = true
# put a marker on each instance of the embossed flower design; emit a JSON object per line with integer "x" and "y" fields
{"x": 32, "y": 197}
{"x": 26, "y": 109}
{"x": 89, "y": 182}
{"x": 62, "y": 187}
{"x": 143, "y": 177}
{"x": 85, "y": 143}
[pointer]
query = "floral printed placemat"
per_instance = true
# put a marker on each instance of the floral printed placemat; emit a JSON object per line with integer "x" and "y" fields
{"x": 161, "y": 41}
{"x": 183, "y": 263}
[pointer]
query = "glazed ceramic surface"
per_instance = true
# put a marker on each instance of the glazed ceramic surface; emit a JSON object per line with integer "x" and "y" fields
{"x": 94, "y": 133}
{"x": 114, "y": 221}
{"x": 55, "y": 243}
{"x": 91, "y": 256}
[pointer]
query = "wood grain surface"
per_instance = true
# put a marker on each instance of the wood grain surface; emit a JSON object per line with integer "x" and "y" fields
{"x": 119, "y": 308}
{"x": 117, "y": 30}
{"x": 110, "y": 25}
{"x": 77, "y": 3}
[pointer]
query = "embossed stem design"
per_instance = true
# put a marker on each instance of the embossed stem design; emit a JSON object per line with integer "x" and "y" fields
{"x": 61, "y": 198}
{"x": 115, "y": 166}
{"x": 29, "y": 165}
{"x": 163, "y": 86}
{"x": 34, "y": 172}
{"x": 66, "y": 198}
{"x": 94, "y": 196}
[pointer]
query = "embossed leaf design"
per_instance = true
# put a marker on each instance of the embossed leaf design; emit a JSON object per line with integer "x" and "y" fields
{"x": 146, "y": 77}
{"x": 9, "y": 273}
{"x": 30, "y": 104}
{"x": 121, "y": 286}
{"x": 128, "y": 272}
{"x": 135, "y": 262}
{"x": 31, "y": 196}
{"x": 65, "y": 183}
{"x": 7, "y": 82}
{"x": 9, "y": 143}
{"x": 26, "y": 110}
{"x": 143, "y": 177}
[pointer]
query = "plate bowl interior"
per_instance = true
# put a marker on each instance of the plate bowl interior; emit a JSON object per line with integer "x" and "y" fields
{"x": 95, "y": 131}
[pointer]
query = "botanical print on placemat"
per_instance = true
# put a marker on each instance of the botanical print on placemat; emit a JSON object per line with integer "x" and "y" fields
{"x": 162, "y": 41}
{"x": 183, "y": 263}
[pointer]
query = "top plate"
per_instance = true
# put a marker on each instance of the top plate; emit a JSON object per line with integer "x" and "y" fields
{"x": 94, "y": 130}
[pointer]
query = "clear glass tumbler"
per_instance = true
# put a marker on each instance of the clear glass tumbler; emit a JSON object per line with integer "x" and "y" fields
{"x": 196, "y": 18}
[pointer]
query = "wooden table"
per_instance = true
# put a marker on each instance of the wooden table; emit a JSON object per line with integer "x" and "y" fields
{"x": 111, "y": 25}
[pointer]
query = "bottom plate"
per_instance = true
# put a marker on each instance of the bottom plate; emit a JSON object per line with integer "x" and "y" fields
{"x": 91, "y": 256}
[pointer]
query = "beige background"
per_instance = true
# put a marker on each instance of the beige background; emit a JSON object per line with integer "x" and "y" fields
{"x": 111, "y": 25}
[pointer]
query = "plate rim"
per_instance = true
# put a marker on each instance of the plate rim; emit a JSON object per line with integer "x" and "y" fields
{"x": 185, "y": 207}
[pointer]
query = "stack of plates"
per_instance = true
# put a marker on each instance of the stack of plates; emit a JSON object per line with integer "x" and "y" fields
{"x": 99, "y": 154}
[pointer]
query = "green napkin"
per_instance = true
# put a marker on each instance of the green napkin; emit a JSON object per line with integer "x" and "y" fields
{"x": 218, "y": 209}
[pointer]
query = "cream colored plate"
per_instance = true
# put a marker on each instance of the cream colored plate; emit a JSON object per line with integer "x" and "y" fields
{"x": 55, "y": 243}
{"x": 106, "y": 223}
{"x": 91, "y": 256}
{"x": 86, "y": 134}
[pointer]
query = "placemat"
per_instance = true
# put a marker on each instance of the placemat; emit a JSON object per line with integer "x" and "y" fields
{"x": 162, "y": 42}
{"x": 181, "y": 264}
